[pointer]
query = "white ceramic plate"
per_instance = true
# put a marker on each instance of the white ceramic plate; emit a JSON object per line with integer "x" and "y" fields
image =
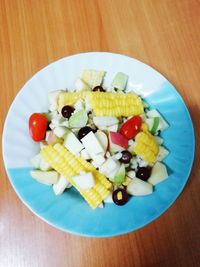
{"x": 69, "y": 211}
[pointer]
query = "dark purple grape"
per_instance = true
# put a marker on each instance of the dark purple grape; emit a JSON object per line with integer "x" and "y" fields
{"x": 120, "y": 196}
{"x": 67, "y": 111}
{"x": 48, "y": 128}
{"x": 98, "y": 88}
{"x": 84, "y": 131}
{"x": 126, "y": 156}
{"x": 143, "y": 173}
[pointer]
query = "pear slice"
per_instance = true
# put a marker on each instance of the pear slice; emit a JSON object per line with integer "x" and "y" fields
{"x": 137, "y": 187}
{"x": 45, "y": 177}
{"x": 158, "y": 173}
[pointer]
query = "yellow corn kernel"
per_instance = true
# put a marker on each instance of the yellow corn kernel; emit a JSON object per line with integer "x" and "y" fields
{"x": 120, "y": 104}
{"x": 105, "y": 104}
{"x": 144, "y": 127}
{"x": 146, "y": 147}
{"x": 103, "y": 192}
{"x": 69, "y": 165}
{"x": 70, "y": 98}
{"x": 92, "y": 197}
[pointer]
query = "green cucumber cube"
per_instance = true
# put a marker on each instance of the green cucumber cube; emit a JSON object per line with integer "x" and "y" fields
{"x": 120, "y": 80}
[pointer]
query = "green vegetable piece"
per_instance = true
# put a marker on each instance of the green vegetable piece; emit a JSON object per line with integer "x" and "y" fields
{"x": 120, "y": 81}
{"x": 78, "y": 119}
{"x": 155, "y": 125}
{"x": 120, "y": 175}
{"x": 48, "y": 115}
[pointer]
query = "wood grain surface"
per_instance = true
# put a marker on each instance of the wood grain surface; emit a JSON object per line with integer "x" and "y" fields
{"x": 162, "y": 33}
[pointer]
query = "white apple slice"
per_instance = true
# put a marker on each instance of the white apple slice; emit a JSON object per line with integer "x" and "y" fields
{"x": 45, "y": 177}
{"x": 60, "y": 131}
{"x": 84, "y": 181}
{"x": 69, "y": 185}
{"x": 79, "y": 105}
{"x": 44, "y": 166}
{"x": 105, "y": 121}
{"x": 115, "y": 148}
{"x": 131, "y": 148}
{"x": 103, "y": 139}
{"x": 117, "y": 142}
{"x": 65, "y": 123}
{"x": 118, "y": 139}
{"x": 137, "y": 187}
{"x": 80, "y": 85}
{"x": 52, "y": 139}
{"x": 85, "y": 155}
{"x": 131, "y": 174}
{"x": 93, "y": 77}
{"x": 52, "y": 126}
{"x": 107, "y": 154}
{"x": 47, "y": 135}
{"x": 143, "y": 116}
{"x": 117, "y": 156}
{"x": 87, "y": 105}
{"x": 109, "y": 198}
{"x": 57, "y": 121}
{"x": 60, "y": 186}
{"x": 159, "y": 140}
{"x": 162, "y": 154}
{"x": 158, "y": 173}
{"x": 52, "y": 96}
{"x": 154, "y": 113}
{"x": 72, "y": 143}
{"x": 131, "y": 142}
{"x": 50, "y": 115}
{"x": 141, "y": 162}
{"x": 43, "y": 143}
{"x": 134, "y": 163}
{"x": 154, "y": 124}
{"x": 113, "y": 128}
{"x": 109, "y": 168}
{"x": 92, "y": 144}
{"x": 98, "y": 160}
{"x": 35, "y": 161}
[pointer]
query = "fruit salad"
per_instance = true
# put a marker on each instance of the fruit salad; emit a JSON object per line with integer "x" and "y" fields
{"x": 102, "y": 140}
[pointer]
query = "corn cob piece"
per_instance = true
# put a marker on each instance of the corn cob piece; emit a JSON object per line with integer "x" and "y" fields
{"x": 115, "y": 104}
{"x": 69, "y": 98}
{"x": 146, "y": 147}
{"x": 83, "y": 165}
{"x": 144, "y": 127}
{"x": 105, "y": 104}
{"x": 93, "y": 77}
{"x": 69, "y": 165}
{"x": 98, "y": 176}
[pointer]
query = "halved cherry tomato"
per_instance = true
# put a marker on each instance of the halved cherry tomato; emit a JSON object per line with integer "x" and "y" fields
{"x": 37, "y": 126}
{"x": 131, "y": 127}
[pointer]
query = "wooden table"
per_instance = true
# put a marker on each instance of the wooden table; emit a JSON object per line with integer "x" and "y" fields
{"x": 162, "y": 33}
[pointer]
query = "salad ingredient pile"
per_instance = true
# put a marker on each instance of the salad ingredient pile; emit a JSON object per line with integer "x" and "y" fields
{"x": 101, "y": 140}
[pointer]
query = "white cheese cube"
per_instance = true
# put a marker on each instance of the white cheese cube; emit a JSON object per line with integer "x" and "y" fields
{"x": 91, "y": 144}
{"x": 72, "y": 143}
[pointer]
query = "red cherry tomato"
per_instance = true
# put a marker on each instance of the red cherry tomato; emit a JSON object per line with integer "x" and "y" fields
{"x": 131, "y": 127}
{"x": 38, "y": 126}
